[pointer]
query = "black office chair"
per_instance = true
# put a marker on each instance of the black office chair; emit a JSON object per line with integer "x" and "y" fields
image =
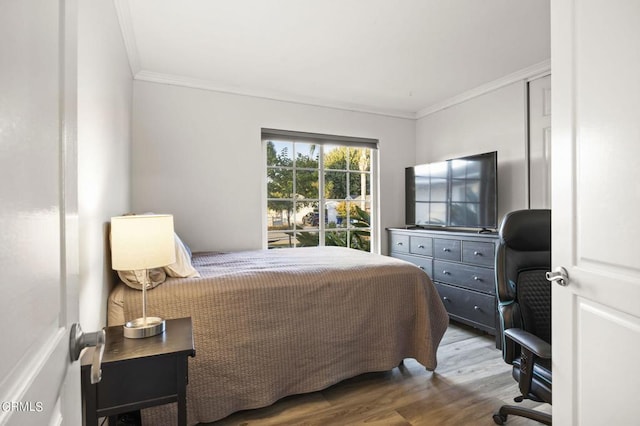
{"x": 524, "y": 302}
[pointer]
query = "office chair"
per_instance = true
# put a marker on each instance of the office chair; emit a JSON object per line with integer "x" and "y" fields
{"x": 524, "y": 302}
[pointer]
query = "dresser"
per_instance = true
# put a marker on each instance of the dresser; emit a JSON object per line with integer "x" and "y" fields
{"x": 461, "y": 265}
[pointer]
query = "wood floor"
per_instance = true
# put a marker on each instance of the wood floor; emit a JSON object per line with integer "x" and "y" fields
{"x": 470, "y": 383}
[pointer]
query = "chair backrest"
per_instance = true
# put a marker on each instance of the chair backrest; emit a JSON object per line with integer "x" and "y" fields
{"x": 522, "y": 259}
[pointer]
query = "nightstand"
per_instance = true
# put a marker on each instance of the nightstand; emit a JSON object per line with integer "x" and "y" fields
{"x": 139, "y": 373}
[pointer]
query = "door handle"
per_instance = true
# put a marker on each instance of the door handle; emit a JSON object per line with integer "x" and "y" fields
{"x": 559, "y": 276}
{"x": 80, "y": 340}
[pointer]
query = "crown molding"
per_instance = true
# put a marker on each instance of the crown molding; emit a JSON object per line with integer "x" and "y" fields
{"x": 526, "y": 74}
{"x": 176, "y": 80}
{"x": 128, "y": 35}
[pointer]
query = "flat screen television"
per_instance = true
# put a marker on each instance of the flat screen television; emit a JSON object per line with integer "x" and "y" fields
{"x": 457, "y": 193}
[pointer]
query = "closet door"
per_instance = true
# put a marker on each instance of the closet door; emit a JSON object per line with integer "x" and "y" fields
{"x": 540, "y": 143}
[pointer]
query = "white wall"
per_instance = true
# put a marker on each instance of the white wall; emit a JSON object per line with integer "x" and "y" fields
{"x": 197, "y": 154}
{"x": 495, "y": 121}
{"x": 104, "y": 139}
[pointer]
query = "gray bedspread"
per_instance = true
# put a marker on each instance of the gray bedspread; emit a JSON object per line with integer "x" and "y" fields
{"x": 272, "y": 323}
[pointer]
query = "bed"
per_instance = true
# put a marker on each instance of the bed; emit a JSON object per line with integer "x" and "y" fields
{"x": 273, "y": 323}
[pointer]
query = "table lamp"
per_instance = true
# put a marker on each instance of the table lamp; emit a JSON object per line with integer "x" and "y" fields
{"x": 140, "y": 243}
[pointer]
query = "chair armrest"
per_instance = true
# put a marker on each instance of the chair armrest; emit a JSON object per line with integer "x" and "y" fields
{"x": 529, "y": 341}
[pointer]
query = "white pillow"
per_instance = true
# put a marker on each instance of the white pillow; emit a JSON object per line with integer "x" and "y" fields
{"x": 182, "y": 268}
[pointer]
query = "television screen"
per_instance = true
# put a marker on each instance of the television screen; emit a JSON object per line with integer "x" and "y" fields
{"x": 461, "y": 192}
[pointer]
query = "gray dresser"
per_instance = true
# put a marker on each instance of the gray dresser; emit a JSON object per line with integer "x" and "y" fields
{"x": 461, "y": 264}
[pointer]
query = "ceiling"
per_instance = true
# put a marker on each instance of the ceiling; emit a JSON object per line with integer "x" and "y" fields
{"x": 394, "y": 57}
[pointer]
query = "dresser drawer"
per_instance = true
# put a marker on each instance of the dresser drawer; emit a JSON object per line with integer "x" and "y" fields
{"x": 446, "y": 249}
{"x": 421, "y": 245}
{"x": 478, "y": 253}
{"x": 400, "y": 243}
{"x": 468, "y": 305}
{"x": 472, "y": 277}
{"x": 423, "y": 263}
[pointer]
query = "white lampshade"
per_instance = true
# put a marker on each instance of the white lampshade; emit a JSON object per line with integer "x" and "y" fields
{"x": 142, "y": 242}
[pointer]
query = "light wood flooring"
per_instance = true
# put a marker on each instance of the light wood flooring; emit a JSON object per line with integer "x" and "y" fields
{"x": 469, "y": 384}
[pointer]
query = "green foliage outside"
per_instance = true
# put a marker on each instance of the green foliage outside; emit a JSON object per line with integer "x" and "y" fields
{"x": 335, "y": 186}
{"x": 359, "y": 239}
{"x": 343, "y": 180}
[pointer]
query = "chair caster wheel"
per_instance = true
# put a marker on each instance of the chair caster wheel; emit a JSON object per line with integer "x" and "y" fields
{"x": 499, "y": 419}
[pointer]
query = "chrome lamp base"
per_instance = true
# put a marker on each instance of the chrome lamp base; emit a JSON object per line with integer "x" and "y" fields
{"x": 144, "y": 327}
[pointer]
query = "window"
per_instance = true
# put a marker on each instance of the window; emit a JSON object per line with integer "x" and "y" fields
{"x": 319, "y": 190}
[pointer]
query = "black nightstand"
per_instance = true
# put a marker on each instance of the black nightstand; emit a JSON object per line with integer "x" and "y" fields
{"x": 139, "y": 373}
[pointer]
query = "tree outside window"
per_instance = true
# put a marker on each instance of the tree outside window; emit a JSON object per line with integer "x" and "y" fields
{"x": 302, "y": 177}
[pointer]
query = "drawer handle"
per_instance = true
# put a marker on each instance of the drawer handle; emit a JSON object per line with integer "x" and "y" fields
{"x": 420, "y": 246}
{"x": 445, "y": 249}
{"x": 477, "y": 253}
{"x": 477, "y": 278}
{"x": 445, "y": 272}
{"x": 445, "y": 298}
{"x": 477, "y": 308}
{"x": 399, "y": 243}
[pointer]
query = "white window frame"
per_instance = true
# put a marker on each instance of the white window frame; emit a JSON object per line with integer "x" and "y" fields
{"x": 322, "y": 140}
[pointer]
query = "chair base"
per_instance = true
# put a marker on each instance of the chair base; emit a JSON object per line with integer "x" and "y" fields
{"x": 500, "y": 417}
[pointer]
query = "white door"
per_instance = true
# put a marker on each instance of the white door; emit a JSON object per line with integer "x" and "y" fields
{"x": 540, "y": 143}
{"x": 596, "y": 204}
{"x": 38, "y": 216}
